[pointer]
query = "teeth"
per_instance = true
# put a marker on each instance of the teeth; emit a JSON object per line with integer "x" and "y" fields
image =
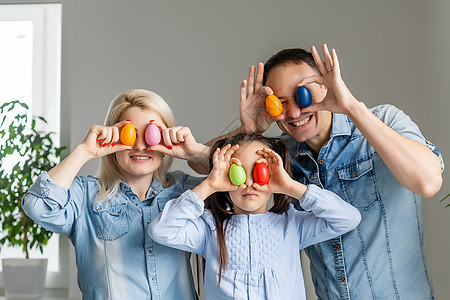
{"x": 302, "y": 122}
{"x": 139, "y": 157}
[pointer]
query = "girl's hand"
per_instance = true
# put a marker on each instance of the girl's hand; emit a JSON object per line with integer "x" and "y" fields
{"x": 180, "y": 143}
{"x": 218, "y": 178}
{"x": 252, "y": 107}
{"x": 338, "y": 99}
{"x": 103, "y": 140}
{"x": 280, "y": 182}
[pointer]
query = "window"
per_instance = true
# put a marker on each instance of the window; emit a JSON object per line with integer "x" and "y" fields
{"x": 30, "y": 71}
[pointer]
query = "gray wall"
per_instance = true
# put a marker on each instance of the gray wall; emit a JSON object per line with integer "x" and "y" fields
{"x": 195, "y": 54}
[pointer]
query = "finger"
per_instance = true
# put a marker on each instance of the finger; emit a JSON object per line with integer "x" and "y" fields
{"x": 319, "y": 62}
{"x": 160, "y": 148}
{"x": 182, "y": 135}
{"x": 115, "y": 136}
{"x": 236, "y": 161}
{"x": 122, "y": 123}
{"x": 259, "y": 76}
{"x": 119, "y": 147}
{"x": 173, "y": 134}
{"x": 107, "y": 133}
{"x": 223, "y": 151}
{"x": 311, "y": 80}
{"x": 327, "y": 57}
{"x": 243, "y": 90}
{"x": 335, "y": 59}
{"x": 251, "y": 80}
{"x": 166, "y": 138}
{"x": 229, "y": 153}
{"x": 314, "y": 107}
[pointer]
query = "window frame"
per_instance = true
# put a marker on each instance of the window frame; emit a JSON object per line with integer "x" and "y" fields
{"x": 46, "y": 91}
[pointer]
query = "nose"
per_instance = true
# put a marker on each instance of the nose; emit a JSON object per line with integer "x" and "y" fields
{"x": 249, "y": 180}
{"x": 293, "y": 111}
{"x": 140, "y": 143}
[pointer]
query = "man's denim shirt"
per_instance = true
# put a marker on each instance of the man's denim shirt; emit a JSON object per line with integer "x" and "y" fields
{"x": 116, "y": 258}
{"x": 383, "y": 258}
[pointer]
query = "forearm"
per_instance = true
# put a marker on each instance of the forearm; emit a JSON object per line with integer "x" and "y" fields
{"x": 64, "y": 173}
{"x": 412, "y": 163}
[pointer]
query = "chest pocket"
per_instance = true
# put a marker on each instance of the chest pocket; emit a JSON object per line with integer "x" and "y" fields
{"x": 111, "y": 221}
{"x": 358, "y": 183}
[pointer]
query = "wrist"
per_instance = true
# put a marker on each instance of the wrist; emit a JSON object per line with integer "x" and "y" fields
{"x": 204, "y": 189}
{"x": 82, "y": 154}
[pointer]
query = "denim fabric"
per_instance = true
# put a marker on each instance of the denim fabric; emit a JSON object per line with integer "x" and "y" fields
{"x": 383, "y": 258}
{"x": 116, "y": 258}
{"x": 263, "y": 249}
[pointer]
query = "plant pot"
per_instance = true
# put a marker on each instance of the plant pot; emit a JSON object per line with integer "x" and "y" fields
{"x": 24, "y": 278}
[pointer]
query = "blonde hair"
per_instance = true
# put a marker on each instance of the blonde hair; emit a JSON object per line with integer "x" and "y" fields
{"x": 110, "y": 175}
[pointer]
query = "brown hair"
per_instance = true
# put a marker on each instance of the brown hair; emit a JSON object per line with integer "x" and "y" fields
{"x": 220, "y": 203}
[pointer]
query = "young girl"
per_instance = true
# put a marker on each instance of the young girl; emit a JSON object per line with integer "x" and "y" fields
{"x": 106, "y": 218}
{"x": 251, "y": 253}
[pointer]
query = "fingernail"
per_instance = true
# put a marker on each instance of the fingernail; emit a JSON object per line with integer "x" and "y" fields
{"x": 170, "y": 147}
{"x": 177, "y": 144}
{"x": 182, "y": 141}
{"x": 99, "y": 140}
{"x": 104, "y": 145}
{"x": 128, "y": 149}
{"x": 113, "y": 144}
{"x": 151, "y": 121}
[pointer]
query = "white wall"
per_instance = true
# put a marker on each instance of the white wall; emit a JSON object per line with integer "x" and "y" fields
{"x": 195, "y": 54}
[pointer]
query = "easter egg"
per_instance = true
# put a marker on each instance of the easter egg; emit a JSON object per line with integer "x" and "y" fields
{"x": 261, "y": 173}
{"x": 128, "y": 134}
{"x": 304, "y": 97}
{"x": 152, "y": 135}
{"x": 237, "y": 174}
{"x": 274, "y": 106}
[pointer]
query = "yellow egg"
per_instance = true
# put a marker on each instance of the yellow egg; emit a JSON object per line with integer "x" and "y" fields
{"x": 274, "y": 106}
{"x": 128, "y": 134}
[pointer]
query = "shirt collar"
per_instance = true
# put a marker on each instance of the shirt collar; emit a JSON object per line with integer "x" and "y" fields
{"x": 155, "y": 188}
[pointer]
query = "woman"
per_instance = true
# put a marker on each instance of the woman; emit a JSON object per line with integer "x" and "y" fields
{"x": 106, "y": 217}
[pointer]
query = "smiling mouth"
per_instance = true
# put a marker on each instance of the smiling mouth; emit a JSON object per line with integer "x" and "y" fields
{"x": 301, "y": 122}
{"x": 141, "y": 158}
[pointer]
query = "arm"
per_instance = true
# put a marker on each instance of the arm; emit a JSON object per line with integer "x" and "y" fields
{"x": 180, "y": 225}
{"x": 412, "y": 163}
{"x": 99, "y": 141}
{"x": 326, "y": 216}
{"x": 329, "y": 215}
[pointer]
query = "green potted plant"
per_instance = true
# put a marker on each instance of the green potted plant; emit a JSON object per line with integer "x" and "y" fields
{"x": 22, "y": 140}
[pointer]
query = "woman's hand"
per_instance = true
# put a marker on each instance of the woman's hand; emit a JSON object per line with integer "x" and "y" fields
{"x": 103, "y": 140}
{"x": 180, "y": 143}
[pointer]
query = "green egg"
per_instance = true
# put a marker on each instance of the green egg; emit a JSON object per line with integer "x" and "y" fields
{"x": 237, "y": 174}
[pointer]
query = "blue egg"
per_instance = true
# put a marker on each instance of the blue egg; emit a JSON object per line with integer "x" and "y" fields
{"x": 304, "y": 98}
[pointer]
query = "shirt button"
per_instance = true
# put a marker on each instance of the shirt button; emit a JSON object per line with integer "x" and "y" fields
{"x": 150, "y": 251}
{"x": 321, "y": 161}
{"x": 342, "y": 278}
{"x": 337, "y": 247}
{"x": 355, "y": 174}
{"x": 153, "y": 278}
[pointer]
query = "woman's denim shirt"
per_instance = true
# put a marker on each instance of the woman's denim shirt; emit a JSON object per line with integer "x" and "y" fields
{"x": 116, "y": 258}
{"x": 383, "y": 258}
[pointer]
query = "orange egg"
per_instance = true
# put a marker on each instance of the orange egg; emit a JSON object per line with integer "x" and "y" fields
{"x": 128, "y": 134}
{"x": 273, "y": 106}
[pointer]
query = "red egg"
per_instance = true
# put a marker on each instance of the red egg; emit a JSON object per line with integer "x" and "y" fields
{"x": 261, "y": 174}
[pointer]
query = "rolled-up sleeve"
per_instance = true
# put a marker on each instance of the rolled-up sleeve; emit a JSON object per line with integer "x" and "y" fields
{"x": 53, "y": 207}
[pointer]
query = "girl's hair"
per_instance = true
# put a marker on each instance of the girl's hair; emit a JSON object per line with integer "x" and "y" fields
{"x": 110, "y": 175}
{"x": 220, "y": 203}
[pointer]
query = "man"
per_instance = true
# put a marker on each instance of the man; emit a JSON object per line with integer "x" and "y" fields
{"x": 376, "y": 159}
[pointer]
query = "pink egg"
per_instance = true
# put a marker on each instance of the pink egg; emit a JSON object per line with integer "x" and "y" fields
{"x": 152, "y": 135}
